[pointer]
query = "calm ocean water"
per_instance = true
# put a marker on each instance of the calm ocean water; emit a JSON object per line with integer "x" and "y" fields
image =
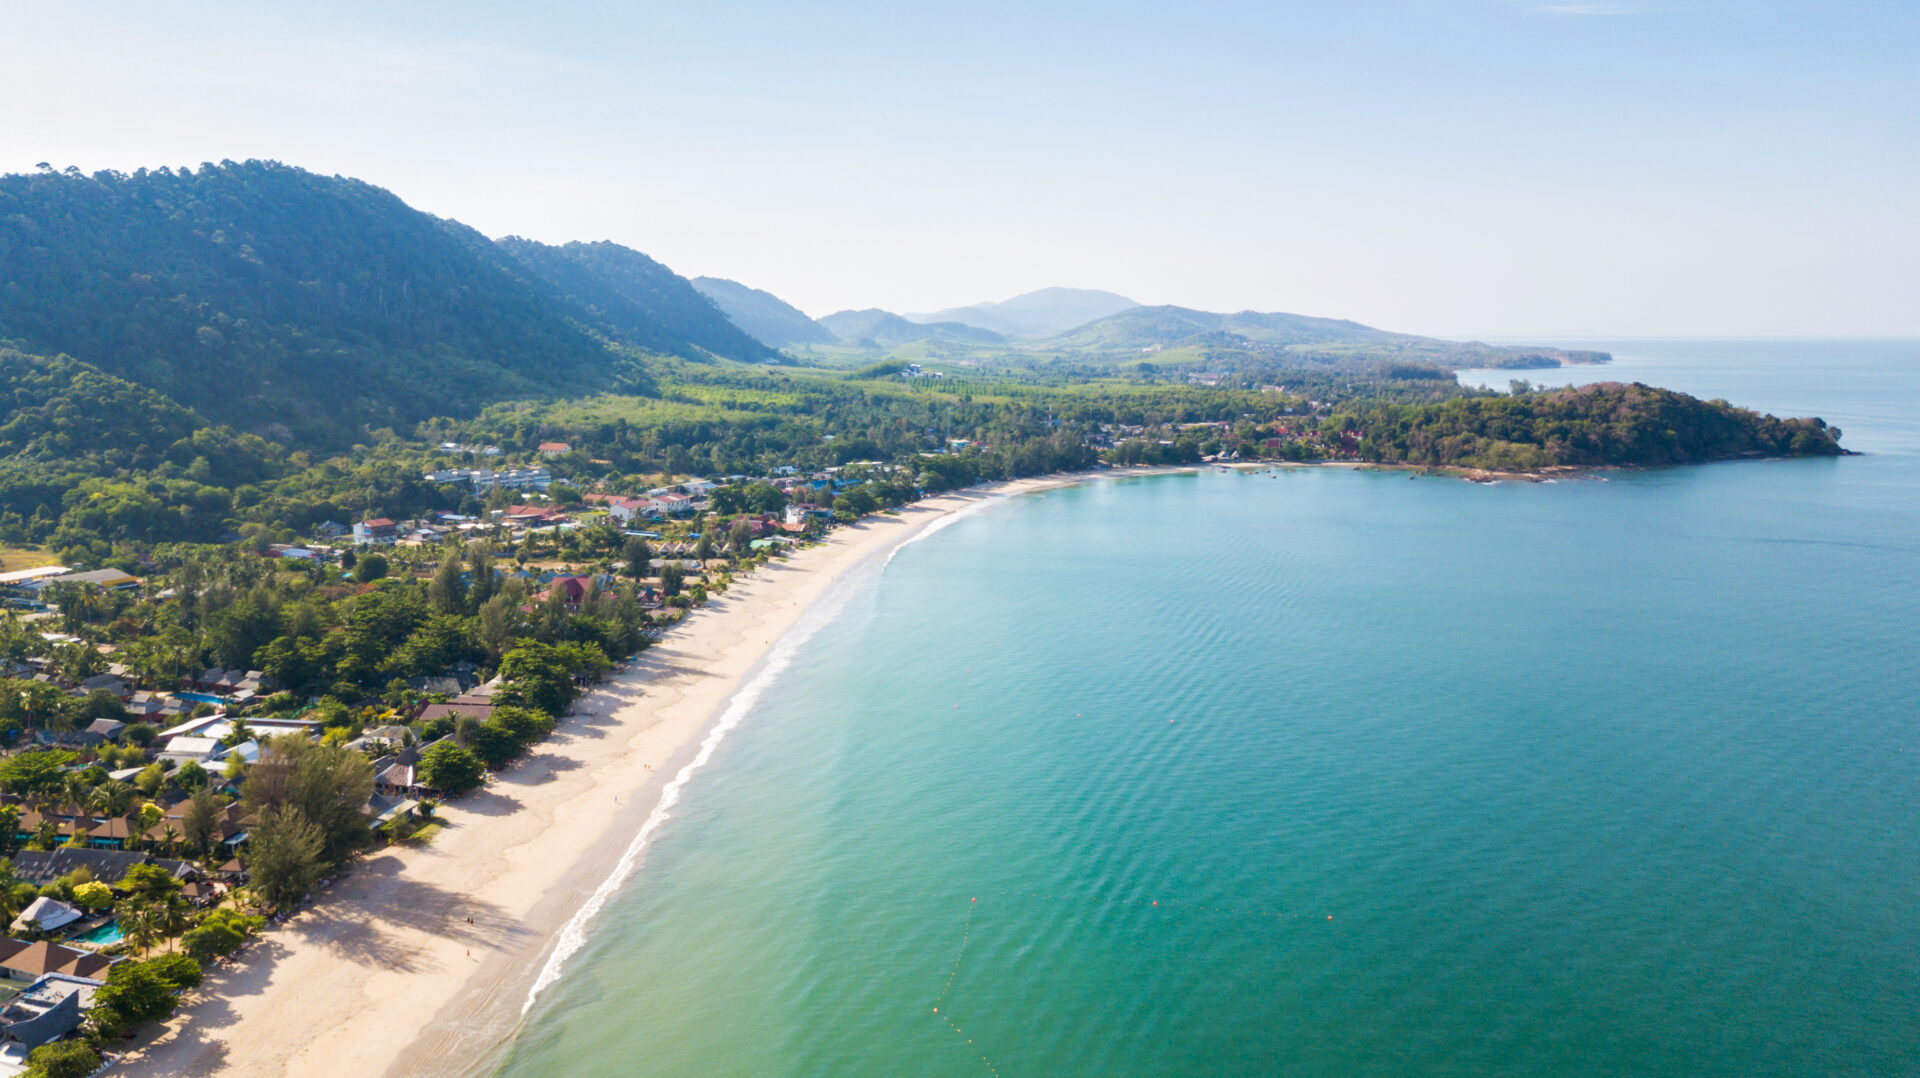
{"x": 1327, "y": 773}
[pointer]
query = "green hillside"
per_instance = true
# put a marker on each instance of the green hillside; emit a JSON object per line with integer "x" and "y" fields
{"x": 304, "y": 307}
{"x": 636, "y": 300}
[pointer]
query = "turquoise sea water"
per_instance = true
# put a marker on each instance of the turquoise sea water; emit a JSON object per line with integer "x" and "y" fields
{"x": 1326, "y": 773}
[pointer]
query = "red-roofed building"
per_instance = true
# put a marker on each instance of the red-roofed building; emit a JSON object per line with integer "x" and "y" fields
{"x": 534, "y": 514}
{"x": 574, "y": 588}
{"x": 553, "y": 449}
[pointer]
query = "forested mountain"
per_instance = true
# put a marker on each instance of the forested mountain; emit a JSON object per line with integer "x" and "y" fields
{"x": 305, "y": 307}
{"x": 636, "y": 300}
{"x": 1141, "y": 328}
{"x": 763, "y": 315}
{"x": 1043, "y": 313}
{"x": 875, "y": 328}
{"x": 59, "y": 409}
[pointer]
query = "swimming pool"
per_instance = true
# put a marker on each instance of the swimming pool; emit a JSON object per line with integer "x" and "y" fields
{"x": 105, "y": 935}
{"x": 201, "y": 697}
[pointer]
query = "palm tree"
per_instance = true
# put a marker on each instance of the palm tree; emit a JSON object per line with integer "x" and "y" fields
{"x": 75, "y": 791}
{"x": 138, "y": 924}
{"x": 113, "y": 797}
{"x": 170, "y": 839}
{"x": 171, "y": 916}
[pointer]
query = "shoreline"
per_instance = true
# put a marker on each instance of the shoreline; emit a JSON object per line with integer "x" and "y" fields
{"x": 1489, "y": 475}
{"x": 421, "y": 960}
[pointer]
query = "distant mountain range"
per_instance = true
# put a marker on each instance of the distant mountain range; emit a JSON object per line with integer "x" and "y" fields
{"x": 763, "y": 315}
{"x": 875, "y": 328}
{"x": 1104, "y": 327}
{"x": 317, "y": 310}
{"x": 1034, "y": 314}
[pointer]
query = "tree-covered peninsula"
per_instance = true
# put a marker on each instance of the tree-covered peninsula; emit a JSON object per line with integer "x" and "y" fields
{"x": 1596, "y": 425}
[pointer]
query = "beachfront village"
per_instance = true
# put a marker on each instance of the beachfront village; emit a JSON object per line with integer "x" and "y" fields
{"x": 198, "y": 750}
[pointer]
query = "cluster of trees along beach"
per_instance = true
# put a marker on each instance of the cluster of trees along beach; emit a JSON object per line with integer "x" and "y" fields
{"x": 342, "y": 648}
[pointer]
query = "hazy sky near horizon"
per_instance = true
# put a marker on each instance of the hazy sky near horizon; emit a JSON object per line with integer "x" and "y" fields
{"x": 1455, "y": 167}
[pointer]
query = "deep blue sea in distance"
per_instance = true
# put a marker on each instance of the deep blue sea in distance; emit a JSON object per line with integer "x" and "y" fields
{"x": 1325, "y": 772}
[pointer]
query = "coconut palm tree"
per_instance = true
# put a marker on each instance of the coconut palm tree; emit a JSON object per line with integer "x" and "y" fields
{"x": 171, "y": 916}
{"x": 113, "y": 797}
{"x": 75, "y": 792}
{"x": 138, "y": 924}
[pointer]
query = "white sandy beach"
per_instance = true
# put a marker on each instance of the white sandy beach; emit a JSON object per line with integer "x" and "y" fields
{"x": 419, "y": 962}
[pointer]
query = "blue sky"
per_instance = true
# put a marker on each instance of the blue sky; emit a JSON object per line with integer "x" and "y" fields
{"x": 1458, "y": 167}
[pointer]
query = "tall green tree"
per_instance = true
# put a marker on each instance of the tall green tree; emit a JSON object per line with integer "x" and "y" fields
{"x": 448, "y": 591}
{"x": 638, "y": 557}
{"x": 284, "y": 855}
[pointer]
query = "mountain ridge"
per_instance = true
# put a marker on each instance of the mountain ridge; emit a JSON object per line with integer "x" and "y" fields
{"x": 763, "y": 315}
{"x": 641, "y": 301}
{"x": 1041, "y": 313}
{"x": 875, "y": 328}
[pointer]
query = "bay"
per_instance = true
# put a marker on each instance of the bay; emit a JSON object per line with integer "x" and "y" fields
{"x": 1322, "y": 772}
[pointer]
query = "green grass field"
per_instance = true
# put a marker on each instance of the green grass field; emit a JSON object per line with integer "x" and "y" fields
{"x": 23, "y": 557}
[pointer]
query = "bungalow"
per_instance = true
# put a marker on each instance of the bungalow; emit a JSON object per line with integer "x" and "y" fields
{"x": 146, "y": 706}
{"x": 378, "y": 530}
{"x": 398, "y": 776}
{"x": 108, "y": 729}
{"x": 23, "y": 961}
{"x": 111, "y": 683}
{"x": 45, "y": 914}
{"x": 384, "y": 808}
{"x": 382, "y": 739}
{"x": 554, "y": 449}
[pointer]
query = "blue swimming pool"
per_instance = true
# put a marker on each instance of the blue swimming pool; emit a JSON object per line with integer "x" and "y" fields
{"x": 201, "y": 697}
{"x": 103, "y": 936}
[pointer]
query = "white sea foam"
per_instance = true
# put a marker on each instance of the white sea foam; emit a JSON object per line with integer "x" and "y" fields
{"x": 937, "y": 525}
{"x": 574, "y": 935}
